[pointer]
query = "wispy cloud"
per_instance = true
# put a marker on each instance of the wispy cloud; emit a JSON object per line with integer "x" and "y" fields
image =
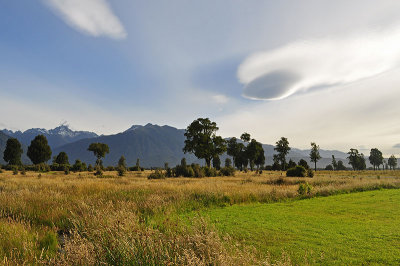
{"x": 93, "y": 17}
{"x": 307, "y": 64}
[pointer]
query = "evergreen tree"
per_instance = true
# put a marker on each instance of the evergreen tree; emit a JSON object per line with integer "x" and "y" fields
{"x": 39, "y": 151}
{"x": 12, "y": 153}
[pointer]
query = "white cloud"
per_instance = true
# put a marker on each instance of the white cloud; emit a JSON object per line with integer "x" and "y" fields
{"x": 307, "y": 64}
{"x": 93, "y": 17}
{"x": 220, "y": 98}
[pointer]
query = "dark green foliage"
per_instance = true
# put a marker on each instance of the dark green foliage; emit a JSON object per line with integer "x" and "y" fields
{"x": 310, "y": 172}
{"x": 245, "y": 137}
{"x": 356, "y": 160}
{"x": 210, "y": 172}
{"x": 158, "y": 174}
{"x": 298, "y": 171}
{"x": 166, "y": 166}
{"x": 227, "y": 171}
{"x": 292, "y": 164}
{"x": 39, "y": 151}
{"x": 233, "y": 149}
{"x": 282, "y": 148}
{"x": 334, "y": 163}
{"x": 314, "y": 154}
{"x": 135, "y": 168}
{"x": 340, "y": 166}
{"x": 228, "y": 162}
{"x": 241, "y": 160}
{"x": 90, "y": 168}
{"x": 216, "y": 162}
{"x": 61, "y": 158}
{"x": 110, "y": 168}
{"x": 304, "y": 164}
{"x": 41, "y": 167}
{"x": 23, "y": 171}
{"x": 121, "y": 170}
{"x": 14, "y": 169}
{"x": 392, "y": 162}
{"x": 201, "y": 139}
{"x": 79, "y": 166}
{"x": 66, "y": 170}
{"x": 122, "y": 162}
{"x": 255, "y": 154}
{"x": 329, "y": 167}
{"x": 375, "y": 158}
{"x": 99, "y": 150}
{"x": 13, "y": 152}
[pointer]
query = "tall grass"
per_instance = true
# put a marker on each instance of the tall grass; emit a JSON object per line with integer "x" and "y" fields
{"x": 81, "y": 219}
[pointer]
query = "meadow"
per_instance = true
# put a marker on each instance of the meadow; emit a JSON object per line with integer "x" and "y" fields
{"x": 247, "y": 219}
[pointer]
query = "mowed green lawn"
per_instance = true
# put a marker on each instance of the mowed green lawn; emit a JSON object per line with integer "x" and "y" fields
{"x": 357, "y": 228}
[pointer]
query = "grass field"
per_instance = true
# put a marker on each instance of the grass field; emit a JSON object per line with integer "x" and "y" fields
{"x": 360, "y": 228}
{"x": 53, "y": 218}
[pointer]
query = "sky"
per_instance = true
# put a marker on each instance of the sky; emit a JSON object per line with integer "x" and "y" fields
{"x": 312, "y": 71}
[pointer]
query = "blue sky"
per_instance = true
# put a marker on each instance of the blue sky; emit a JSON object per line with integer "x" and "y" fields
{"x": 323, "y": 71}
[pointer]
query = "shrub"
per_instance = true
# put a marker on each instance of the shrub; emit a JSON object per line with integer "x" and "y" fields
{"x": 209, "y": 172}
{"x": 304, "y": 189}
{"x": 310, "y": 172}
{"x": 15, "y": 170}
{"x": 227, "y": 171}
{"x": 90, "y": 168}
{"x": 1, "y": 171}
{"x": 135, "y": 168}
{"x": 198, "y": 171}
{"x": 99, "y": 171}
{"x": 158, "y": 174}
{"x": 110, "y": 168}
{"x": 42, "y": 167}
{"x": 23, "y": 172}
{"x": 121, "y": 170}
{"x": 329, "y": 167}
{"x": 66, "y": 170}
{"x": 298, "y": 171}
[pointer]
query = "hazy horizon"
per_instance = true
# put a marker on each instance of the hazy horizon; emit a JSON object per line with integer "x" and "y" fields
{"x": 312, "y": 71}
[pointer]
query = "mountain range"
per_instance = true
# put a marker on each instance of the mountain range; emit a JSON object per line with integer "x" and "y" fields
{"x": 152, "y": 144}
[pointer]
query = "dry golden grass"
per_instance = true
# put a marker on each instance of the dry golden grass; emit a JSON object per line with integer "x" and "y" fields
{"x": 133, "y": 220}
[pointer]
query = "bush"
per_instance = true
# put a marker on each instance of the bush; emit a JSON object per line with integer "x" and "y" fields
{"x": 298, "y": 171}
{"x": 310, "y": 172}
{"x": 209, "y": 172}
{"x": 66, "y": 170}
{"x": 227, "y": 171}
{"x": 329, "y": 167}
{"x": 90, "y": 168}
{"x": 15, "y": 170}
{"x": 23, "y": 172}
{"x": 158, "y": 174}
{"x": 42, "y": 167}
{"x": 304, "y": 189}
{"x": 121, "y": 170}
{"x": 135, "y": 168}
{"x": 98, "y": 172}
{"x": 110, "y": 168}
{"x": 198, "y": 171}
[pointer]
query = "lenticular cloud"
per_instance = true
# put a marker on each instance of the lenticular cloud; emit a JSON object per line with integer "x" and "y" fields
{"x": 303, "y": 65}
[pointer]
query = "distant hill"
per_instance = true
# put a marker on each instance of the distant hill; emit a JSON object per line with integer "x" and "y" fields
{"x": 152, "y": 144}
{"x": 56, "y": 137}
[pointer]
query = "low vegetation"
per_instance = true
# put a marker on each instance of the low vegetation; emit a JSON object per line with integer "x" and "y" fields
{"x": 81, "y": 219}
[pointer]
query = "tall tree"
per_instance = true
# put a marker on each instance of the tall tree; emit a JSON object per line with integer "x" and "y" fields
{"x": 375, "y": 158}
{"x": 216, "y": 161}
{"x": 233, "y": 148}
{"x": 12, "y": 153}
{"x": 201, "y": 139}
{"x": 282, "y": 147}
{"x": 334, "y": 163}
{"x": 39, "y": 151}
{"x": 99, "y": 150}
{"x": 314, "y": 154}
{"x": 122, "y": 162}
{"x": 61, "y": 158}
{"x": 255, "y": 152}
{"x": 241, "y": 161}
{"x": 392, "y": 162}
{"x": 356, "y": 160}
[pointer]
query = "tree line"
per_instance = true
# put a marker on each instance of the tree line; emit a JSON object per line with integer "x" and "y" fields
{"x": 202, "y": 141}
